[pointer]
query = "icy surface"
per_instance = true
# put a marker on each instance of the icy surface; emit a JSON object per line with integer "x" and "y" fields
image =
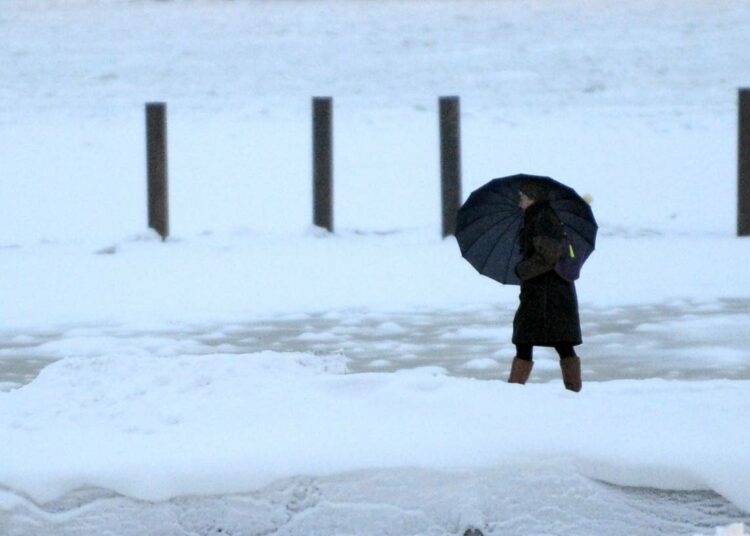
{"x": 252, "y": 375}
{"x": 685, "y": 340}
{"x": 528, "y": 498}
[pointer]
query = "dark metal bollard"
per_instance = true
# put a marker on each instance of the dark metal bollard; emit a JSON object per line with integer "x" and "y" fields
{"x": 156, "y": 156}
{"x": 450, "y": 161}
{"x": 743, "y": 165}
{"x": 322, "y": 163}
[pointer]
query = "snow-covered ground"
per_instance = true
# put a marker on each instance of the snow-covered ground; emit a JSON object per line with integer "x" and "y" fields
{"x": 254, "y": 375}
{"x": 154, "y": 428}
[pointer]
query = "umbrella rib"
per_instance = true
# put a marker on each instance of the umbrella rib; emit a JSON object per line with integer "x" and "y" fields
{"x": 512, "y": 215}
{"x": 479, "y": 201}
{"x": 510, "y": 198}
{"x": 486, "y": 260}
{"x": 488, "y": 230}
{"x": 494, "y": 191}
{"x": 575, "y": 228}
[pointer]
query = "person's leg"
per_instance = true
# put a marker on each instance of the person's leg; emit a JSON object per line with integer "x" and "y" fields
{"x": 565, "y": 350}
{"x": 570, "y": 365}
{"x": 525, "y": 352}
{"x": 521, "y": 368}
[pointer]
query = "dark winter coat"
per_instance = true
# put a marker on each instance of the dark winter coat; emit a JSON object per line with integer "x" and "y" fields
{"x": 548, "y": 312}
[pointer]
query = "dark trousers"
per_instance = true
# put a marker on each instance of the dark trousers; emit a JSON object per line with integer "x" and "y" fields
{"x": 526, "y": 351}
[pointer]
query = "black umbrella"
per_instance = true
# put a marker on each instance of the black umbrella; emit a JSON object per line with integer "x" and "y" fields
{"x": 488, "y": 225}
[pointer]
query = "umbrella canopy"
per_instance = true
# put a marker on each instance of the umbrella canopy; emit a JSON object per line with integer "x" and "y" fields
{"x": 490, "y": 221}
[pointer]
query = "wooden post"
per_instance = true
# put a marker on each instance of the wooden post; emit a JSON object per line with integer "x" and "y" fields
{"x": 156, "y": 156}
{"x": 450, "y": 161}
{"x": 322, "y": 163}
{"x": 743, "y": 166}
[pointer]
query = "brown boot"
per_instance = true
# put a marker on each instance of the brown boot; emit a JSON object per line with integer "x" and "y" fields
{"x": 571, "y": 373}
{"x": 520, "y": 370}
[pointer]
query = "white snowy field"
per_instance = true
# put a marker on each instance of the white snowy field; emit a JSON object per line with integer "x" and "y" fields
{"x": 164, "y": 411}
{"x": 155, "y": 429}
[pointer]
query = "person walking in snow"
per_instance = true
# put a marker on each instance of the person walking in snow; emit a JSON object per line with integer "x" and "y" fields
{"x": 547, "y": 314}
